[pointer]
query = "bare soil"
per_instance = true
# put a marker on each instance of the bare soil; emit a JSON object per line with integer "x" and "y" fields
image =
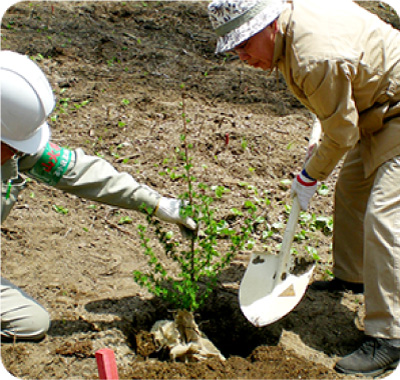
{"x": 117, "y": 69}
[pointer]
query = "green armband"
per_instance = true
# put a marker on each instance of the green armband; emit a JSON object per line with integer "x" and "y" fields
{"x": 52, "y": 164}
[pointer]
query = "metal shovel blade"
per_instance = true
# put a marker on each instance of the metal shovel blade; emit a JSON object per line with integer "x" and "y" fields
{"x": 263, "y": 302}
{"x": 268, "y": 291}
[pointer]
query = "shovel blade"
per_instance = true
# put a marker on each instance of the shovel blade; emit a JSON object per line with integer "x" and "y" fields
{"x": 259, "y": 278}
{"x": 264, "y": 298}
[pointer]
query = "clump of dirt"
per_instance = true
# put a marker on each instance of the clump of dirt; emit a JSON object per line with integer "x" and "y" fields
{"x": 78, "y": 349}
{"x": 116, "y": 69}
{"x": 145, "y": 344}
{"x": 302, "y": 265}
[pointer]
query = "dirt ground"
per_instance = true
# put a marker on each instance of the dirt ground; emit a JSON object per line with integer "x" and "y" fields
{"x": 117, "y": 69}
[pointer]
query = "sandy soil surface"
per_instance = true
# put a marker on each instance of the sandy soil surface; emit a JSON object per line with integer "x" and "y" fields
{"x": 117, "y": 69}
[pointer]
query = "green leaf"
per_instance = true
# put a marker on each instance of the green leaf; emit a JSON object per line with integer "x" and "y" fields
{"x": 323, "y": 190}
{"x": 285, "y": 184}
{"x": 278, "y": 225}
{"x": 125, "y": 220}
{"x": 60, "y": 209}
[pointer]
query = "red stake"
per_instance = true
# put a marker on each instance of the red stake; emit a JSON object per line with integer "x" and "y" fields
{"x": 106, "y": 364}
{"x": 226, "y": 138}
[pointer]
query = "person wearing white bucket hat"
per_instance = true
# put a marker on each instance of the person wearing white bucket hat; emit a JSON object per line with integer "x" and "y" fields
{"x": 237, "y": 21}
{"x": 343, "y": 63}
{"x": 26, "y": 101}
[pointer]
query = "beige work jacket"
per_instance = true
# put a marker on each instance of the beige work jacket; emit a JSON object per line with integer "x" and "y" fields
{"x": 343, "y": 63}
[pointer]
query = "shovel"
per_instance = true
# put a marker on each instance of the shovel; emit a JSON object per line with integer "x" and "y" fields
{"x": 268, "y": 290}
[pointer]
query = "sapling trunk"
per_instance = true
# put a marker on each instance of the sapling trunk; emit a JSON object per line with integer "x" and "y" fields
{"x": 188, "y": 167}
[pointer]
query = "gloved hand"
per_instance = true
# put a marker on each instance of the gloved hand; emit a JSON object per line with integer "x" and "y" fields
{"x": 168, "y": 210}
{"x": 305, "y": 187}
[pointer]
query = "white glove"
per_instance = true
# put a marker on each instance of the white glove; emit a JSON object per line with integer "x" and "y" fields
{"x": 168, "y": 210}
{"x": 305, "y": 187}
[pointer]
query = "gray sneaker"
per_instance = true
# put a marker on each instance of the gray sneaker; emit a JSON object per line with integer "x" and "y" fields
{"x": 374, "y": 357}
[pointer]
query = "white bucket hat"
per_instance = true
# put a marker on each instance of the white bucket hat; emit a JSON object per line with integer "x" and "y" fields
{"x": 26, "y": 101}
{"x": 236, "y": 21}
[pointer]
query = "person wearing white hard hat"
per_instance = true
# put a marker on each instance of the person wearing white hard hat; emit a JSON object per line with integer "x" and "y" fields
{"x": 26, "y": 102}
{"x": 343, "y": 63}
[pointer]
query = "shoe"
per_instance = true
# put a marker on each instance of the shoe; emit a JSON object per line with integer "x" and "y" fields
{"x": 373, "y": 358}
{"x": 337, "y": 285}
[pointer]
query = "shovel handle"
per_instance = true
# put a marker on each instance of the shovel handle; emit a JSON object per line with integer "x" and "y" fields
{"x": 314, "y": 138}
{"x": 316, "y": 132}
{"x": 288, "y": 236}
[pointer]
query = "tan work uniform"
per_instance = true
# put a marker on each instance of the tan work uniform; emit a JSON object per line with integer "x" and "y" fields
{"x": 343, "y": 63}
{"x": 86, "y": 176}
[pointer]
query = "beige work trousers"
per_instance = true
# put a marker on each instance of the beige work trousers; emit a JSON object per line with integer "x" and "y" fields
{"x": 21, "y": 316}
{"x": 366, "y": 241}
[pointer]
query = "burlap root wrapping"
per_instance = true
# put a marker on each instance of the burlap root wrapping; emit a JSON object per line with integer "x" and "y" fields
{"x": 183, "y": 339}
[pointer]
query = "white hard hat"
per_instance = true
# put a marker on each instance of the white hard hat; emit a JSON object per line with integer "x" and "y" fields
{"x": 26, "y": 101}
